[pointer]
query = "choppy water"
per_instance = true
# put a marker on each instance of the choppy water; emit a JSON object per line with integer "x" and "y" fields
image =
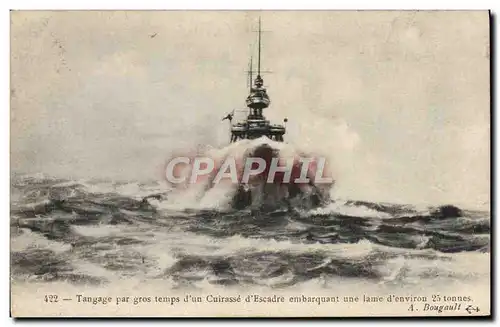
{"x": 101, "y": 233}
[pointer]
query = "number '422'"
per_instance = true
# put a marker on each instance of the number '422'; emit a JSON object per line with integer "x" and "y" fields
{"x": 51, "y": 298}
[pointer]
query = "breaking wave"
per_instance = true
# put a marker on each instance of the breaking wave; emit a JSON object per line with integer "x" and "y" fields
{"x": 209, "y": 192}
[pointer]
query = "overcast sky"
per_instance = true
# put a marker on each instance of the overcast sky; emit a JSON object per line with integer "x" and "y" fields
{"x": 398, "y": 100}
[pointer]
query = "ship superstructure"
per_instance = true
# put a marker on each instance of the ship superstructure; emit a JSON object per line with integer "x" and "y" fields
{"x": 255, "y": 124}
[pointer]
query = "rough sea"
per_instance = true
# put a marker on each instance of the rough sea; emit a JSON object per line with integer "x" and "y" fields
{"x": 101, "y": 235}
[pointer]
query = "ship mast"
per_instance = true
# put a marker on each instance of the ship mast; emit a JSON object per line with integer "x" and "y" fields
{"x": 258, "y": 99}
{"x": 250, "y": 80}
{"x": 258, "y": 64}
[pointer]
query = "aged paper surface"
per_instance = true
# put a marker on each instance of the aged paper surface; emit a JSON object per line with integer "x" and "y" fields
{"x": 395, "y": 103}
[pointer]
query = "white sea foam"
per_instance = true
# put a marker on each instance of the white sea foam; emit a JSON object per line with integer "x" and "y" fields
{"x": 29, "y": 240}
{"x": 349, "y": 210}
{"x": 204, "y": 194}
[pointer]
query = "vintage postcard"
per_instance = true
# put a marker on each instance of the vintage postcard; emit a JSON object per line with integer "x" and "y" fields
{"x": 250, "y": 163}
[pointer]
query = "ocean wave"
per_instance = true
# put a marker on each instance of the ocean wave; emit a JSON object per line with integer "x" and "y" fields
{"x": 97, "y": 233}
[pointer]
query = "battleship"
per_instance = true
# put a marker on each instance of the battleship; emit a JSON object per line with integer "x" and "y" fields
{"x": 268, "y": 137}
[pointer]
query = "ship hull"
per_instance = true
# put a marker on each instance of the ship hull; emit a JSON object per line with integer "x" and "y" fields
{"x": 262, "y": 192}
